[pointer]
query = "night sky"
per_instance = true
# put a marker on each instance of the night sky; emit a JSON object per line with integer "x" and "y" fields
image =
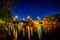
{"x": 36, "y": 8}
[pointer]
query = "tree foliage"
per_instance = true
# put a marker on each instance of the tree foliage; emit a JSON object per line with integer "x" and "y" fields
{"x": 55, "y": 17}
{"x": 7, "y": 3}
{"x": 5, "y": 13}
{"x": 48, "y": 18}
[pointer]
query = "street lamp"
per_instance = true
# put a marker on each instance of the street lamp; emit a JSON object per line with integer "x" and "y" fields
{"x": 23, "y": 19}
{"x": 16, "y": 17}
{"x": 38, "y": 17}
{"x": 39, "y": 28}
{"x": 15, "y": 27}
{"x": 28, "y": 17}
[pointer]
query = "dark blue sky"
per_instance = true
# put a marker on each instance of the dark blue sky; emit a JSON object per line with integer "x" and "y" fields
{"x": 36, "y": 8}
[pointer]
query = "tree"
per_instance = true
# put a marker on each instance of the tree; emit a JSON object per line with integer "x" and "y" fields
{"x": 48, "y": 18}
{"x": 7, "y": 3}
{"x": 5, "y": 13}
{"x": 55, "y": 17}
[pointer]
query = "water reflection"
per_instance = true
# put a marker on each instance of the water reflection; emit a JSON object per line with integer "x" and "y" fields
{"x": 36, "y": 31}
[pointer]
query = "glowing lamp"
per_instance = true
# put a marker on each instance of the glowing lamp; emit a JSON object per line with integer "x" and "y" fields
{"x": 38, "y": 18}
{"x": 16, "y": 16}
{"x": 28, "y": 17}
{"x": 23, "y": 19}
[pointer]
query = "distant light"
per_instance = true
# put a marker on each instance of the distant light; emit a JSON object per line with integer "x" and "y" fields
{"x": 38, "y": 18}
{"x": 16, "y": 16}
{"x": 28, "y": 17}
{"x": 21, "y": 24}
{"x": 23, "y": 19}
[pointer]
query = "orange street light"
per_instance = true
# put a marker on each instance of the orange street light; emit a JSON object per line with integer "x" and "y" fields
{"x": 28, "y": 17}
{"x": 14, "y": 19}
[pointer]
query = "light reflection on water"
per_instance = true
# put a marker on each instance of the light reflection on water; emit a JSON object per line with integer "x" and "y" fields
{"x": 45, "y": 28}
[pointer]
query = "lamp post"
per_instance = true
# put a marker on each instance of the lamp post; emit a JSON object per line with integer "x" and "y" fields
{"x": 23, "y": 27}
{"x": 16, "y": 17}
{"x": 23, "y": 19}
{"x": 15, "y": 29}
{"x": 29, "y": 27}
{"x": 38, "y": 18}
{"x": 39, "y": 28}
{"x": 28, "y": 17}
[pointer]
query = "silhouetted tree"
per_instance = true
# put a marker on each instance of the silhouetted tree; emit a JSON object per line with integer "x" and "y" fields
{"x": 5, "y": 13}
{"x": 48, "y": 18}
{"x": 55, "y": 17}
{"x": 6, "y": 3}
